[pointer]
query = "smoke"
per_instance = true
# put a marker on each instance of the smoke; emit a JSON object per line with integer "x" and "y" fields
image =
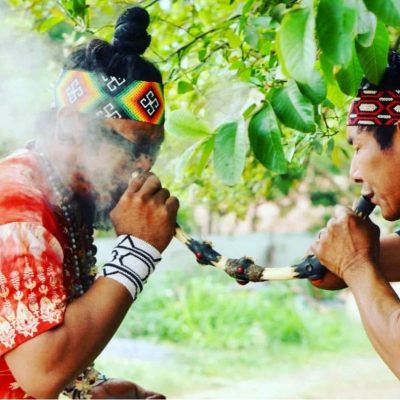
{"x": 27, "y": 70}
{"x": 87, "y": 156}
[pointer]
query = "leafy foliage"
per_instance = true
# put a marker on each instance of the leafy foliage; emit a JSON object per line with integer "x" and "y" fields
{"x": 276, "y": 74}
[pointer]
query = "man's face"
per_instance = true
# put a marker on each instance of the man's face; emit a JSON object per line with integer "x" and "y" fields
{"x": 377, "y": 170}
{"x": 120, "y": 147}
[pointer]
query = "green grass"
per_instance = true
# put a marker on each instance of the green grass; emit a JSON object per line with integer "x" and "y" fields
{"x": 209, "y": 310}
{"x": 219, "y": 332}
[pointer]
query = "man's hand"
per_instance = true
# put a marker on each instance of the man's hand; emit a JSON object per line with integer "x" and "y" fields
{"x": 120, "y": 389}
{"x": 146, "y": 210}
{"x": 347, "y": 243}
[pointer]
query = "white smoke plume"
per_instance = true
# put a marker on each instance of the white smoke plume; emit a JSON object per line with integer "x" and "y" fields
{"x": 27, "y": 70}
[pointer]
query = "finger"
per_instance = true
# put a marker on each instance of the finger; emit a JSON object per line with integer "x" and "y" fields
{"x": 151, "y": 186}
{"x": 330, "y": 224}
{"x": 137, "y": 182}
{"x": 172, "y": 205}
{"x": 321, "y": 232}
{"x": 340, "y": 211}
{"x": 309, "y": 252}
{"x": 314, "y": 248}
{"x": 148, "y": 394}
{"x": 152, "y": 395}
{"x": 161, "y": 196}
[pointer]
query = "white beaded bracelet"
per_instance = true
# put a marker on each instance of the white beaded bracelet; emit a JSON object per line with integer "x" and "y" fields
{"x": 133, "y": 260}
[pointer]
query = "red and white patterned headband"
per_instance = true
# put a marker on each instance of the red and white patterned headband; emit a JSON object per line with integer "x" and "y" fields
{"x": 375, "y": 107}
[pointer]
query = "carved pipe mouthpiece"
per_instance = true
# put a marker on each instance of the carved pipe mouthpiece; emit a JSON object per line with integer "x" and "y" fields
{"x": 364, "y": 207}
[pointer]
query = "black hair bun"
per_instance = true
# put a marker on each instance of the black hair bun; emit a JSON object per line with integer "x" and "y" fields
{"x": 130, "y": 34}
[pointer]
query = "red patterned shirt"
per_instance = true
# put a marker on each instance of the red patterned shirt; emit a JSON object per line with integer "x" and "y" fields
{"x": 33, "y": 284}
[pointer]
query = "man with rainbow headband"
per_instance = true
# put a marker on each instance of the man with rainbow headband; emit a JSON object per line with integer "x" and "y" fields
{"x": 351, "y": 248}
{"x": 57, "y": 310}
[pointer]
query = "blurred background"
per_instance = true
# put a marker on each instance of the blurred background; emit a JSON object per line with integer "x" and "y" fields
{"x": 257, "y": 94}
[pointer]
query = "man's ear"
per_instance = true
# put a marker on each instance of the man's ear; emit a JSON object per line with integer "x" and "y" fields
{"x": 69, "y": 126}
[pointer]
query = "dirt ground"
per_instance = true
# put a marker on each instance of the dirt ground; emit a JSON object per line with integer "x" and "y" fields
{"x": 353, "y": 378}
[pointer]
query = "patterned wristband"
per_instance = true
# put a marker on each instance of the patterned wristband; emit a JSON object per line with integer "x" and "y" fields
{"x": 132, "y": 263}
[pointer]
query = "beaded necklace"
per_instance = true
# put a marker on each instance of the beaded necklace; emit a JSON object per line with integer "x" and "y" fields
{"x": 79, "y": 253}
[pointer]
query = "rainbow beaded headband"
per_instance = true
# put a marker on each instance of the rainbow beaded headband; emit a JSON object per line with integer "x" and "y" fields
{"x": 375, "y": 107}
{"x": 111, "y": 97}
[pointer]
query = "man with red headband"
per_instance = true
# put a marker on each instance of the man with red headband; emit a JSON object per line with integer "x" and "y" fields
{"x": 351, "y": 248}
{"x": 57, "y": 311}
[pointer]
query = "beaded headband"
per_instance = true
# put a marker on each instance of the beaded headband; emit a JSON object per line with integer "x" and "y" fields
{"x": 111, "y": 97}
{"x": 375, "y": 107}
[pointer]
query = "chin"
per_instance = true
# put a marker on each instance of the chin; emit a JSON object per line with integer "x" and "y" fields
{"x": 390, "y": 215}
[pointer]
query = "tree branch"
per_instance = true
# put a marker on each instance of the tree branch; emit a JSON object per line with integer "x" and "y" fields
{"x": 174, "y": 25}
{"x": 196, "y": 38}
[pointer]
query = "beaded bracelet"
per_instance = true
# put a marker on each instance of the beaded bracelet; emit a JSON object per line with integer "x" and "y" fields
{"x": 81, "y": 386}
{"x": 133, "y": 260}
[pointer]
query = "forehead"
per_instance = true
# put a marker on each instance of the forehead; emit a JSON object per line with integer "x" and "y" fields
{"x": 357, "y": 133}
{"x": 136, "y": 131}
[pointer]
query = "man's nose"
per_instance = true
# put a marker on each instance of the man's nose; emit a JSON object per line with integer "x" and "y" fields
{"x": 355, "y": 173}
{"x": 143, "y": 162}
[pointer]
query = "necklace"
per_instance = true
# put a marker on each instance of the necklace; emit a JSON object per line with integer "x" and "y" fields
{"x": 79, "y": 262}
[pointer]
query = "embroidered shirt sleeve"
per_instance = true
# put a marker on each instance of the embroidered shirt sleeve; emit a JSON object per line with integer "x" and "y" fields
{"x": 32, "y": 293}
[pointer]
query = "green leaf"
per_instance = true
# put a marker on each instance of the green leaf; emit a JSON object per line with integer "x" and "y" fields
{"x": 278, "y": 12}
{"x": 185, "y": 158}
{"x": 316, "y": 89}
{"x": 366, "y": 25}
{"x": 75, "y": 8}
{"x": 202, "y": 54}
{"x": 327, "y": 68}
{"x": 183, "y": 123}
{"x": 249, "y": 111}
{"x": 330, "y": 146}
{"x": 349, "y": 78}
{"x": 49, "y": 23}
{"x": 336, "y": 96}
{"x": 229, "y": 153}
{"x": 292, "y": 108}
{"x": 206, "y": 150}
{"x": 386, "y": 10}
{"x": 296, "y": 44}
{"x": 251, "y": 35}
{"x": 247, "y": 6}
{"x": 265, "y": 140}
{"x": 80, "y": 7}
{"x": 336, "y": 23}
{"x": 233, "y": 39}
{"x": 373, "y": 59}
{"x": 184, "y": 87}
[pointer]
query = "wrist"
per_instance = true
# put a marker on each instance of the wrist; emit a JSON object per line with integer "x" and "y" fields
{"x": 359, "y": 269}
{"x": 133, "y": 261}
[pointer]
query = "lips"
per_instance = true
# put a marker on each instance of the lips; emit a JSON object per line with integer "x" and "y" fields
{"x": 370, "y": 196}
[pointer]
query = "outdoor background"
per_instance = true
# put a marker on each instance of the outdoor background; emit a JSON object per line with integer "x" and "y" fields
{"x": 257, "y": 94}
